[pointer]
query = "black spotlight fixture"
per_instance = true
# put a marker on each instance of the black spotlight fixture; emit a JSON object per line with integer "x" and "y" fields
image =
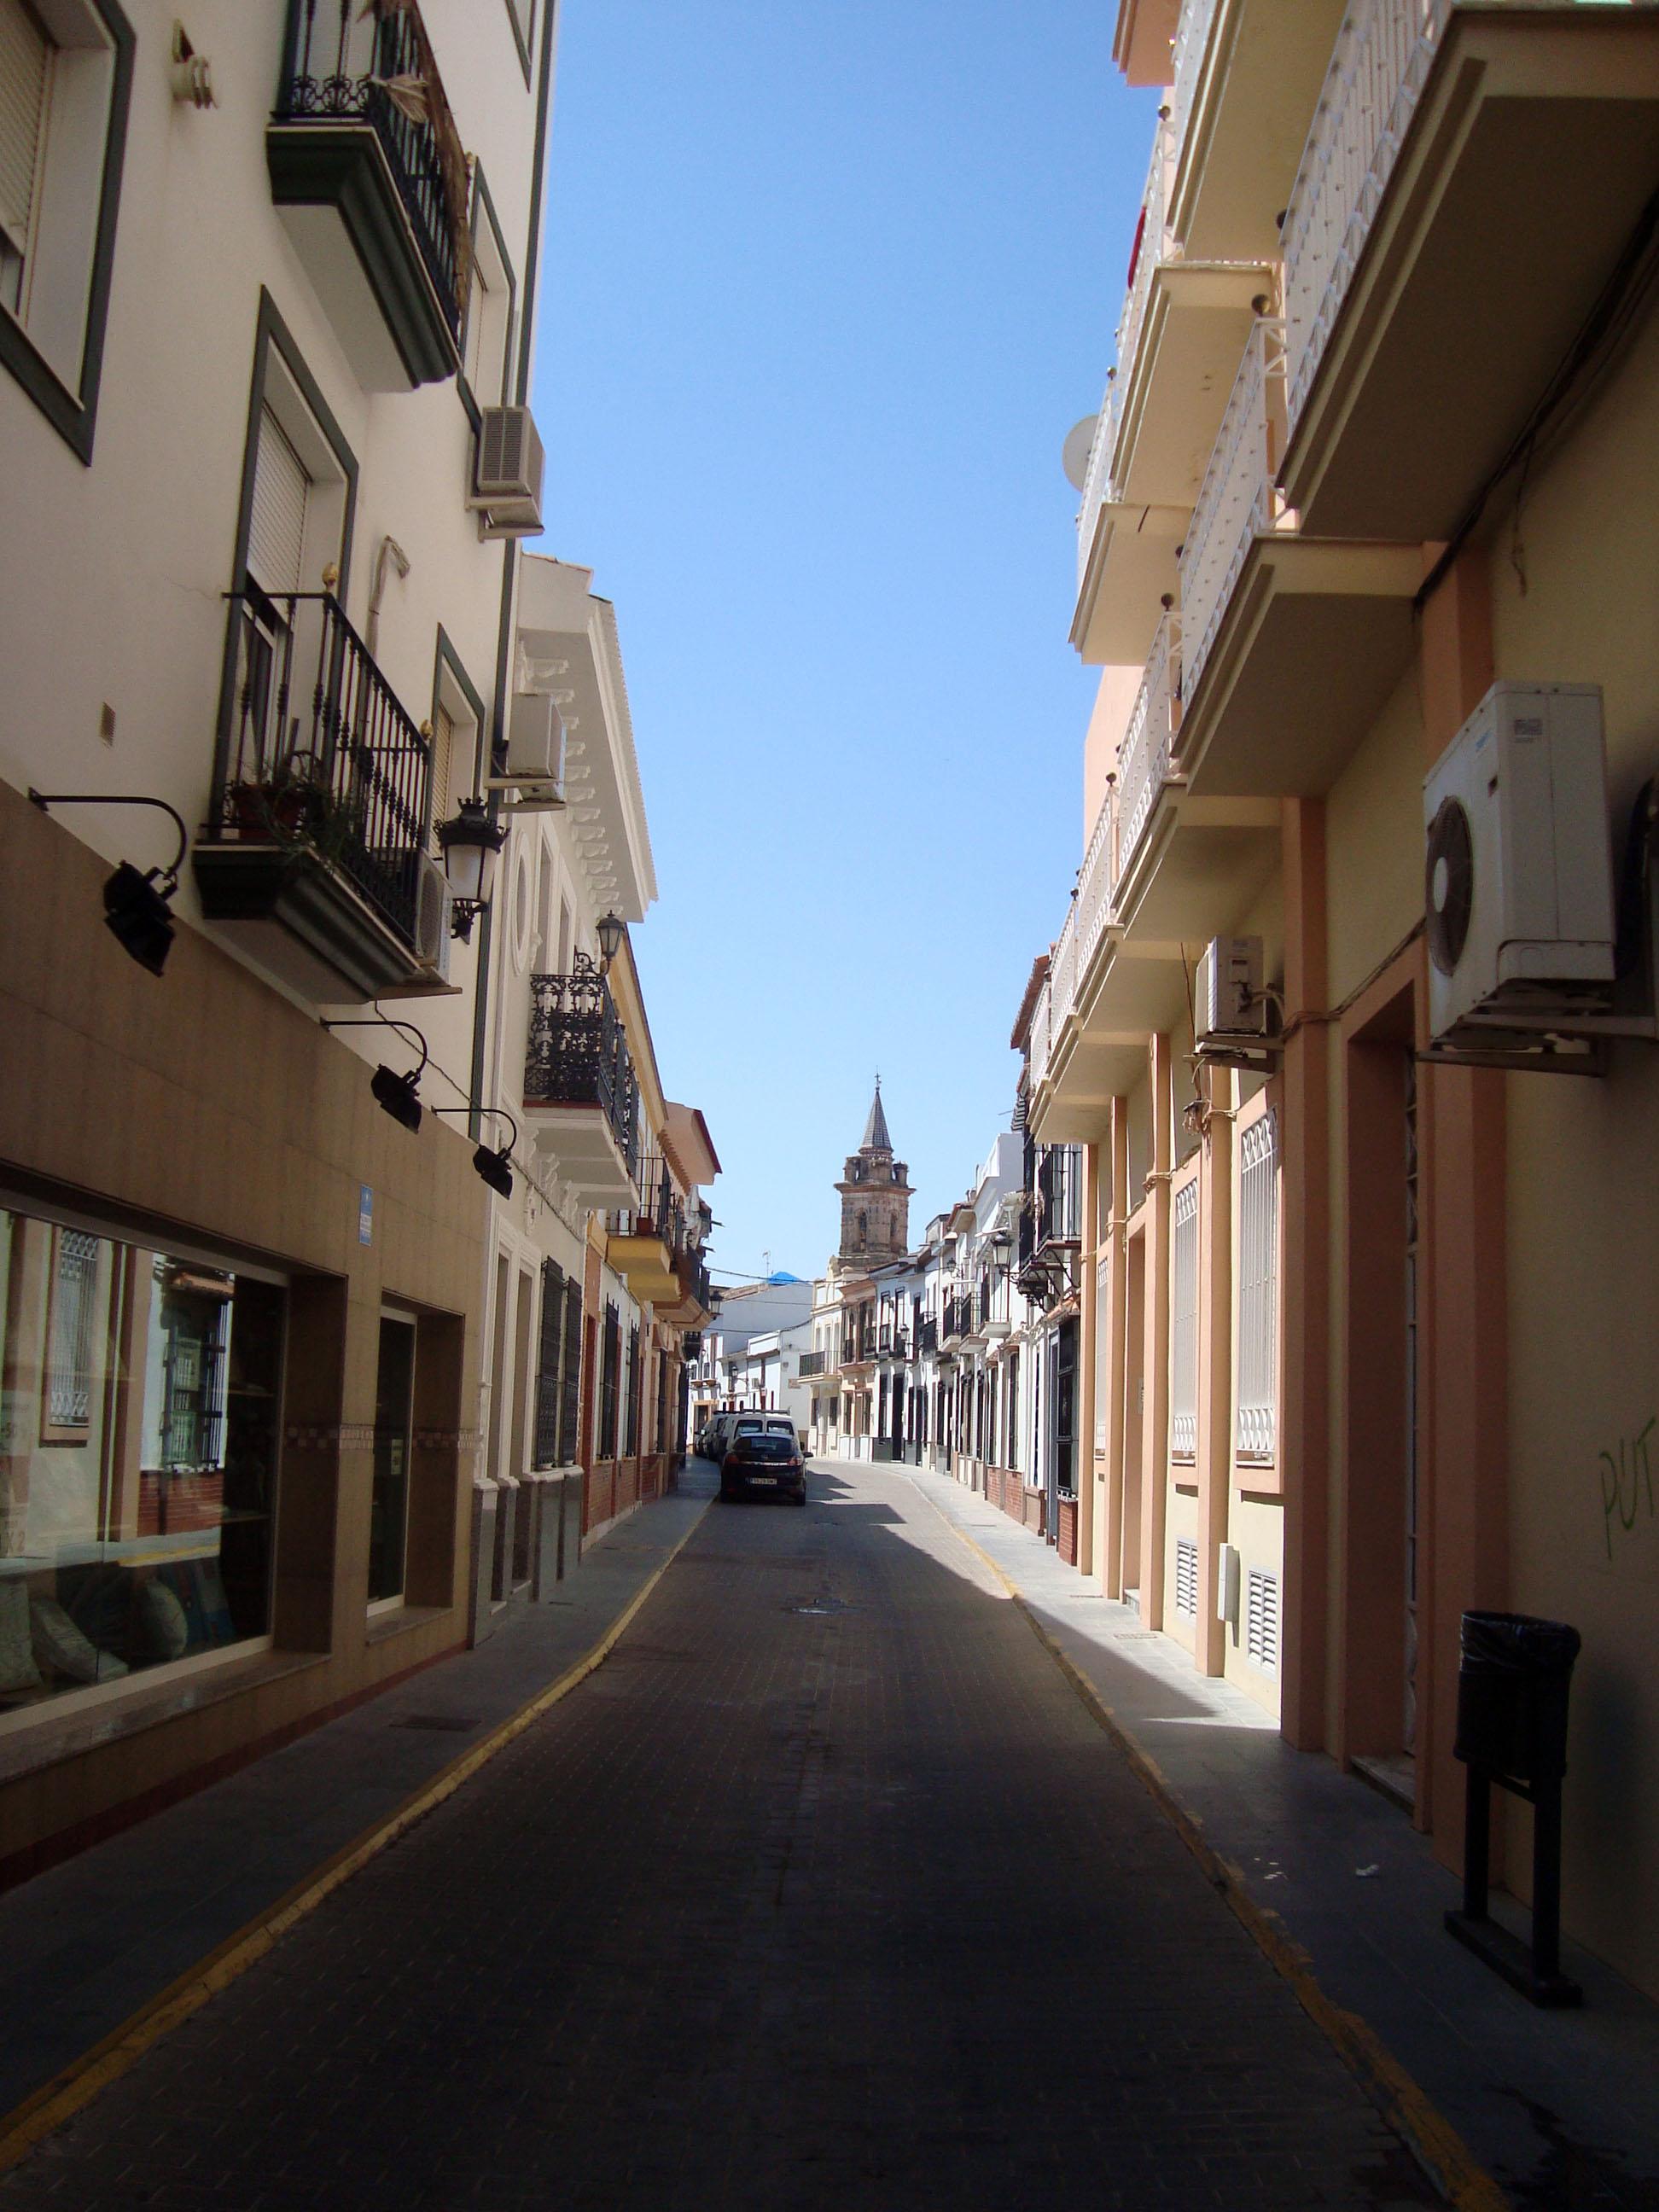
{"x": 397, "y": 1095}
{"x": 136, "y": 910}
{"x": 491, "y": 1167}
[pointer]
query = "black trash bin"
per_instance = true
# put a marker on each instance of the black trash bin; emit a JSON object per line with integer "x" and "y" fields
{"x": 1512, "y": 1684}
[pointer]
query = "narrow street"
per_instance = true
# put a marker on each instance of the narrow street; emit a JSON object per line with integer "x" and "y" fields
{"x": 826, "y": 1889}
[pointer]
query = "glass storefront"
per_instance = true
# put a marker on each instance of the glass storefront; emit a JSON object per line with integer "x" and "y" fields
{"x": 139, "y": 1397}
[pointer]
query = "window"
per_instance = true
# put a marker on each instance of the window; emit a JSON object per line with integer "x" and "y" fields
{"x": 487, "y": 330}
{"x": 522, "y": 15}
{"x": 277, "y": 525}
{"x": 549, "y": 1380}
{"x": 64, "y": 82}
{"x": 1258, "y": 1289}
{"x": 139, "y": 1402}
{"x": 610, "y": 1363}
{"x": 632, "y": 1445}
{"x": 1183, "y": 1324}
{"x": 1262, "y": 1619}
{"x": 1186, "y": 1577}
{"x": 458, "y": 716}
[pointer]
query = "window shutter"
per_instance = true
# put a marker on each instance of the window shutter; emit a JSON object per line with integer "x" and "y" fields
{"x": 277, "y": 534}
{"x": 25, "y": 53}
{"x": 443, "y": 752}
{"x": 1186, "y": 1577}
{"x": 1262, "y": 1619}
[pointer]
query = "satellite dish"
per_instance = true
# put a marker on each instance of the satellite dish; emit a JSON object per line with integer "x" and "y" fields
{"x": 1074, "y": 453}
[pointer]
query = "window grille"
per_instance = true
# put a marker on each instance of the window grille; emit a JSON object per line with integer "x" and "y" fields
{"x": 1186, "y": 1577}
{"x": 1262, "y": 1619}
{"x": 69, "y": 1362}
{"x": 1183, "y": 1324}
{"x": 609, "y": 1367}
{"x": 631, "y": 1446}
{"x": 570, "y": 1442}
{"x": 1258, "y": 1289}
{"x": 548, "y": 1379}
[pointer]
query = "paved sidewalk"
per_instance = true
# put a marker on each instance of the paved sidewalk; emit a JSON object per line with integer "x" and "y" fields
{"x": 1561, "y": 2108}
{"x": 85, "y": 1945}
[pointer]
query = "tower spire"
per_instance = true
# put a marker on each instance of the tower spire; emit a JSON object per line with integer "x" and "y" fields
{"x": 876, "y": 1138}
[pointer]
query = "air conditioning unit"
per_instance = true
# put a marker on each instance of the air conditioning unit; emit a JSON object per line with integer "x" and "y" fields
{"x": 432, "y": 902}
{"x": 1229, "y": 1006}
{"x": 507, "y": 476}
{"x": 535, "y": 740}
{"x": 1518, "y": 865}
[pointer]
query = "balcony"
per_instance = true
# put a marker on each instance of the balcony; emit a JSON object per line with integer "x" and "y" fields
{"x": 1247, "y": 75}
{"x": 1471, "y": 180}
{"x": 580, "y": 1094}
{"x": 691, "y": 1305}
{"x": 641, "y": 1242}
{"x": 1291, "y": 644}
{"x": 927, "y": 1336}
{"x": 1183, "y": 322}
{"x": 369, "y": 176}
{"x": 1143, "y": 761}
{"x": 811, "y": 1363}
{"x": 315, "y": 860}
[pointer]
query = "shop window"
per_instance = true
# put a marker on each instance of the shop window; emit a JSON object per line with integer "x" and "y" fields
{"x": 139, "y": 1397}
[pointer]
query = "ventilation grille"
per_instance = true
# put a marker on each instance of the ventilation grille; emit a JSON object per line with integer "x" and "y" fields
{"x": 1186, "y": 1577}
{"x": 1262, "y": 1619}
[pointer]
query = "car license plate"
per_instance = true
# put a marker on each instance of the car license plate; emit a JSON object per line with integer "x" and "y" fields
{"x": 764, "y": 1481}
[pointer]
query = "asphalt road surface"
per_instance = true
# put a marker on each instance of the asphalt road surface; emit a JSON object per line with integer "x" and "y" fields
{"x": 825, "y": 1890}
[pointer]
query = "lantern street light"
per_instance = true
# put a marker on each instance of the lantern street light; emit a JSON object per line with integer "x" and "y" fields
{"x": 472, "y": 845}
{"x": 611, "y": 931}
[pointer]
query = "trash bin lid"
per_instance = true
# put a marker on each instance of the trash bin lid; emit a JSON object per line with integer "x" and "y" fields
{"x": 1518, "y": 1642}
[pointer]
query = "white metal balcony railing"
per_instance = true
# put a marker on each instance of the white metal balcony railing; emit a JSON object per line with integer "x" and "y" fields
{"x": 1062, "y": 972}
{"x": 1238, "y": 499}
{"x": 1378, "y": 72}
{"x": 1153, "y": 245}
{"x": 1143, "y": 766}
{"x": 1191, "y": 41}
{"x": 1040, "y": 1036}
{"x": 1097, "y": 883}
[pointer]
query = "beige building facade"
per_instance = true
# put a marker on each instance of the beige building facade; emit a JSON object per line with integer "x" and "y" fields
{"x": 1366, "y": 1198}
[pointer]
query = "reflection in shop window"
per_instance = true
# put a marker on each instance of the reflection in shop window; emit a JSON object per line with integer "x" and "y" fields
{"x": 139, "y": 1397}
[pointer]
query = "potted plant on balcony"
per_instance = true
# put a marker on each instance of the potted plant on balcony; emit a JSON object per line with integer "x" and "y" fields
{"x": 289, "y": 801}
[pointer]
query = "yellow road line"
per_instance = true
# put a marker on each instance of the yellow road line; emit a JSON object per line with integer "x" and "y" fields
{"x": 1452, "y": 2166}
{"x": 65, "y": 2095}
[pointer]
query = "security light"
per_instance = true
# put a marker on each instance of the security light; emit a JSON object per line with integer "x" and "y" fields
{"x": 396, "y": 1094}
{"x": 492, "y": 1168}
{"x": 136, "y": 910}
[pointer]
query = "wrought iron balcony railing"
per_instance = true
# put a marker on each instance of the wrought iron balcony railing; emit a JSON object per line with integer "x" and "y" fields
{"x": 577, "y": 1053}
{"x": 811, "y": 1362}
{"x": 320, "y": 755}
{"x": 347, "y": 61}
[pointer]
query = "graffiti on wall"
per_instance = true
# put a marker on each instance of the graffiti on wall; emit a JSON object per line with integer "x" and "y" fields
{"x": 1626, "y": 1482}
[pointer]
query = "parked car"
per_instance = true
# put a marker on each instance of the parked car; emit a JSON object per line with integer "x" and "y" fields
{"x": 763, "y": 1454}
{"x": 712, "y": 1440}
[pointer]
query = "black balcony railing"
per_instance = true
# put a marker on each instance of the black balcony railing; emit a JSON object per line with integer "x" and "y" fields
{"x": 578, "y": 1054}
{"x": 660, "y": 1213}
{"x": 320, "y": 754}
{"x": 351, "y": 62}
{"x": 811, "y": 1362}
{"x": 692, "y": 1274}
{"x": 928, "y": 1335}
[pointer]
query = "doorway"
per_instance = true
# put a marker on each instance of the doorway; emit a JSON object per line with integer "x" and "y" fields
{"x": 388, "y": 1519}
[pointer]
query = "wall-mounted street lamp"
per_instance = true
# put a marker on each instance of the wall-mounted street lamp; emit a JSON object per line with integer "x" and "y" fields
{"x": 136, "y": 910}
{"x": 397, "y": 1095}
{"x": 491, "y": 1167}
{"x": 472, "y": 844}
{"x": 611, "y": 931}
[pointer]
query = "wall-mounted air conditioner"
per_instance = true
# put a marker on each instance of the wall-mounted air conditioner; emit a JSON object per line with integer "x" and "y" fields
{"x": 507, "y": 474}
{"x": 433, "y": 901}
{"x": 1229, "y": 1006}
{"x": 534, "y": 753}
{"x": 1518, "y": 866}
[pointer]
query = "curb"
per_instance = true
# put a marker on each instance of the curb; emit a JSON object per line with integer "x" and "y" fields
{"x": 79, "y": 2082}
{"x": 1439, "y": 2149}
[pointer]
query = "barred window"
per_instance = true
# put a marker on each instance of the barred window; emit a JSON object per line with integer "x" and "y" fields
{"x": 69, "y": 1359}
{"x": 631, "y": 1446}
{"x": 548, "y": 1378}
{"x": 1258, "y": 1289}
{"x": 1183, "y": 1324}
{"x": 610, "y": 1365}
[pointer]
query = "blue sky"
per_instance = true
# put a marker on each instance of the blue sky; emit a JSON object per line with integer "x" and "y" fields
{"x": 824, "y": 291}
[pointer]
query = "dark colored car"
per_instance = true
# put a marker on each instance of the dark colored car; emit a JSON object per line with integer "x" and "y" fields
{"x": 763, "y": 1462}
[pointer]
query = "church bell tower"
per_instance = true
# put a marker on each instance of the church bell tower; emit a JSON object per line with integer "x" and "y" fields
{"x": 875, "y": 1197}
